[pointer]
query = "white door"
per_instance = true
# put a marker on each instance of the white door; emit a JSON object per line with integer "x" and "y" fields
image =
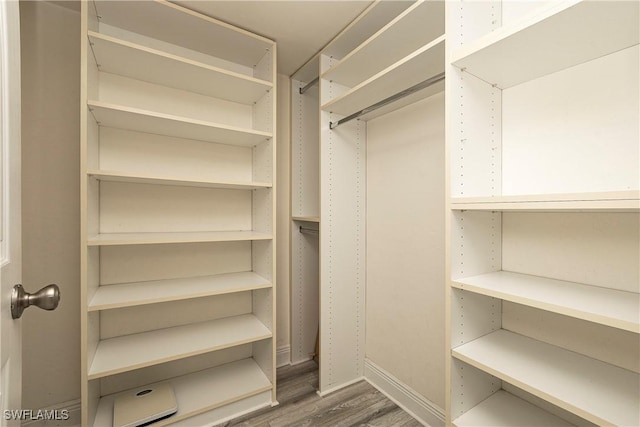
{"x": 10, "y": 227}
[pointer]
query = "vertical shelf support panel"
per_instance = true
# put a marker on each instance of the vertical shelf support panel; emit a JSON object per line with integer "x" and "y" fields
{"x": 342, "y": 246}
{"x": 89, "y": 326}
{"x": 474, "y": 132}
{"x": 264, "y": 218}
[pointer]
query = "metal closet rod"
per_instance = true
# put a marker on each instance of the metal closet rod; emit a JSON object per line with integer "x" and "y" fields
{"x": 305, "y": 230}
{"x": 308, "y": 85}
{"x": 422, "y": 85}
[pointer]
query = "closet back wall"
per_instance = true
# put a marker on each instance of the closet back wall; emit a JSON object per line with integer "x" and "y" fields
{"x": 405, "y": 248}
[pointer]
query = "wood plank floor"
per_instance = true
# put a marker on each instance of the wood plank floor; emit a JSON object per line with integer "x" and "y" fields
{"x": 357, "y": 405}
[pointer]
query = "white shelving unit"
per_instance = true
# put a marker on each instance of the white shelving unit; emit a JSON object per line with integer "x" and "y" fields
{"x": 418, "y": 25}
{"x": 369, "y": 22}
{"x": 405, "y": 52}
{"x": 358, "y": 70}
{"x": 355, "y": 70}
{"x": 178, "y": 211}
{"x": 305, "y": 188}
{"x": 409, "y": 71}
{"x": 544, "y": 201}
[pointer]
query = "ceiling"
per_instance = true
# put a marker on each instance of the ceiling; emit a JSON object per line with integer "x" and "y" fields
{"x": 300, "y": 27}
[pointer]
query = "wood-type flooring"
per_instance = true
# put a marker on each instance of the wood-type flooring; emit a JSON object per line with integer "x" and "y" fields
{"x": 359, "y": 404}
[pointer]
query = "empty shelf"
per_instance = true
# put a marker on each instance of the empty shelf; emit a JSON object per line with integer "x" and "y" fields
{"x": 561, "y": 36}
{"x": 156, "y": 291}
{"x": 160, "y": 19}
{"x": 503, "y": 409}
{"x": 369, "y": 22}
{"x": 306, "y": 218}
{"x": 148, "y": 179}
{"x": 421, "y": 23}
{"x": 111, "y": 239}
{"x": 203, "y": 390}
{"x": 142, "y": 63}
{"x": 618, "y": 201}
{"x": 409, "y": 71}
{"x": 622, "y": 309}
{"x": 129, "y": 352}
{"x": 594, "y": 390}
{"x": 136, "y": 119}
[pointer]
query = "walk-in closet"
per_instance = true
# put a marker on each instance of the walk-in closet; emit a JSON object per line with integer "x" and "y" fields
{"x": 379, "y": 212}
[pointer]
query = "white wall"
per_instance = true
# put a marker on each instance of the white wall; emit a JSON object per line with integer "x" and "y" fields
{"x": 405, "y": 247}
{"x": 283, "y": 177}
{"x": 51, "y": 200}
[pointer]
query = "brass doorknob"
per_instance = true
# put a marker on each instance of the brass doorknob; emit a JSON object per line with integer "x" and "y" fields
{"x": 46, "y": 298}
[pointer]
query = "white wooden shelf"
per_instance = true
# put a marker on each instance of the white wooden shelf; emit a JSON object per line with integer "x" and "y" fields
{"x": 561, "y": 36}
{"x": 136, "y": 119}
{"x": 156, "y": 291}
{"x": 503, "y": 409}
{"x": 370, "y": 21}
{"x": 622, "y": 201}
{"x": 376, "y": 16}
{"x": 112, "y": 239}
{"x": 421, "y": 23}
{"x": 594, "y": 390}
{"x": 148, "y": 179}
{"x": 159, "y": 20}
{"x": 129, "y": 352}
{"x": 142, "y": 63}
{"x": 306, "y": 218}
{"x": 202, "y": 391}
{"x": 425, "y": 62}
{"x": 622, "y": 309}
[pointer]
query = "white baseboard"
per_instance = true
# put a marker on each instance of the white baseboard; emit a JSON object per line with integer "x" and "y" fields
{"x": 283, "y": 356}
{"x": 70, "y": 410}
{"x": 425, "y": 411}
{"x": 298, "y": 362}
{"x": 338, "y": 387}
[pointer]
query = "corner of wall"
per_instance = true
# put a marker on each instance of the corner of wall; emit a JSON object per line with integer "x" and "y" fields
{"x": 423, "y": 410}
